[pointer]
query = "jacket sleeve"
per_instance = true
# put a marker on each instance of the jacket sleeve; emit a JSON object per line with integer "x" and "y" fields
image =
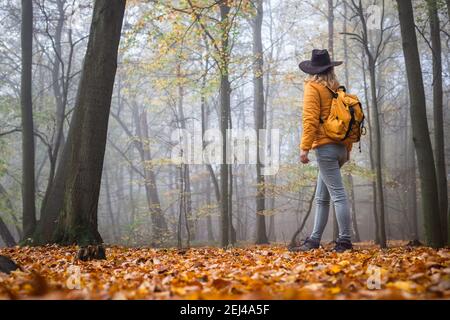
{"x": 311, "y": 116}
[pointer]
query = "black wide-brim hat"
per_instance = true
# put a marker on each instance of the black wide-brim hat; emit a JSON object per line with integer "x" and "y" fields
{"x": 320, "y": 62}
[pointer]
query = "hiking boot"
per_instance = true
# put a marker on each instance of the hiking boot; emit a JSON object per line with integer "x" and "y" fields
{"x": 307, "y": 245}
{"x": 342, "y": 245}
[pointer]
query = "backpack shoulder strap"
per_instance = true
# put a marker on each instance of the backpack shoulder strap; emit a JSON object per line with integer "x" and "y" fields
{"x": 334, "y": 93}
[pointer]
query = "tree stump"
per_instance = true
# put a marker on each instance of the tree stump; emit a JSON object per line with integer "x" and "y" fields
{"x": 7, "y": 265}
{"x": 95, "y": 252}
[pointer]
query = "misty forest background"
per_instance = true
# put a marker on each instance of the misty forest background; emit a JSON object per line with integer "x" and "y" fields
{"x": 214, "y": 64}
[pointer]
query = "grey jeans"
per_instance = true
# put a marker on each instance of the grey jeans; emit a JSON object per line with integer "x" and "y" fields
{"x": 330, "y": 158}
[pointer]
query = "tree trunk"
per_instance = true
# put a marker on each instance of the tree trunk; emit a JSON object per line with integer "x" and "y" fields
{"x": 180, "y": 208}
{"x": 6, "y": 204}
{"x": 335, "y": 223}
{"x": 352, "y": 202}
{"x": 239, "y": 203}
{"x": 232, "y": 230}
{"x": 204, "y": 118}
{"x": 28, "y": 153}
{"x": 119, "y": 182}
{"x": 330, "y": 18}
{"x": 272, "y": 234}
{"x": 378, "y": 162}
{"x": 88, "y": 130}
{"x": 185, "y": 205}
{"x": 6, "y": 235}
{"x": 373, "y": 53}
{"x": 345, "y": 42}
{"x": 371, "y": 156}
{"x": 347, "y": 86}
{"x": 131, "y": 204}
{"x": 438, "y": 116}
{"x": 421, "y": 134}
{"x": 159, "y": 224}
{"x": 209, "y": 225}
{"x": 380, "y": 92}
{"x": 172, "y": 208}
{"x": 109, "y": 207}
{"x": 448, "y": 7}
{"x": 187, "y": 182}
{"x": 60, "y": 85}
{"x": 258, "y": 101}
{"x": 225, "y": 91}
{"x": 293, "y": 242}
{"x": 412, "y": 188}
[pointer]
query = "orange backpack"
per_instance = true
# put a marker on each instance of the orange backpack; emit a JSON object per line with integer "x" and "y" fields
{"x": 346, "y": 119}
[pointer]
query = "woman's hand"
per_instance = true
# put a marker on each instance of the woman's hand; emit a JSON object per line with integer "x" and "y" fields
{"x": 304, "y": 156}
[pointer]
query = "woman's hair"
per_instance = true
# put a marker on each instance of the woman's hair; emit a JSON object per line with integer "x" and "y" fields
{"x": 327, "y": 79}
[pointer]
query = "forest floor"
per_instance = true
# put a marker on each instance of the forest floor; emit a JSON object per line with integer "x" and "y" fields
{"x": 255, "y": 272}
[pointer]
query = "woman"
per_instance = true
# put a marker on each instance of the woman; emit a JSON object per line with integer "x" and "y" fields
{"x": 330, "y": 154}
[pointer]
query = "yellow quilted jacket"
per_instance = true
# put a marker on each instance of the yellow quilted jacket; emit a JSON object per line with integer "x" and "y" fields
{"x": 316, "y": 105}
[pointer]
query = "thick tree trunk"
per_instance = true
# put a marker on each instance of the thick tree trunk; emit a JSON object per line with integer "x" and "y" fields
{"x": 225, "y": 91}
{"x": 438, "y": 115}
{"x": 28, "y": 153}
{"x": 258, "y": 96}
{"x": 86, "y": 140}
{"x": 421, "y": 134}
